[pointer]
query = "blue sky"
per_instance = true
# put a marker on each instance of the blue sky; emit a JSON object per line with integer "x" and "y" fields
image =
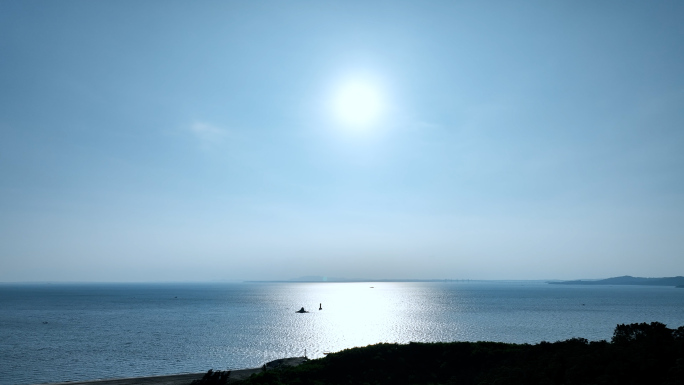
{"x": 185, "y": 141}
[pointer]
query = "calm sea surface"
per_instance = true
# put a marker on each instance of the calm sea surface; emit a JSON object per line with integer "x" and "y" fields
{"x": 51, "y": 333}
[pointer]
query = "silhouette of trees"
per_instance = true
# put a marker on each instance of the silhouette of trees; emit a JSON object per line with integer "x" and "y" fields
{"x": 655, "y": 332}
{"x": 212, "y": 377}
{"x": 637, "y": 354}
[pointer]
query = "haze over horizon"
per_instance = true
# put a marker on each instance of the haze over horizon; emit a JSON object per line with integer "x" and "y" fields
{"x": 200, "y": 141}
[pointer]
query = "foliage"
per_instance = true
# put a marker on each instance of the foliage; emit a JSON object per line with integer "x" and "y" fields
{"x": 655, "y": 332}
{"x": 637, "y": 354}
{"x": 213, "y": 378}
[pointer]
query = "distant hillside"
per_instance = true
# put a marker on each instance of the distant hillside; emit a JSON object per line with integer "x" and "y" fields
{"x": 628, "y": 280}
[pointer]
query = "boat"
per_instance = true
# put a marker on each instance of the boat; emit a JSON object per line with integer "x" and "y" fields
{"x": 301, "y": 311}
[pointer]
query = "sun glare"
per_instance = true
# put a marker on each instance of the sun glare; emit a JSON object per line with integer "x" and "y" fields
{"x": 357, "y": 104}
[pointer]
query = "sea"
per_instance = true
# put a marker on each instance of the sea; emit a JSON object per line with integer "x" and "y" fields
{"x": 75, "y": 332}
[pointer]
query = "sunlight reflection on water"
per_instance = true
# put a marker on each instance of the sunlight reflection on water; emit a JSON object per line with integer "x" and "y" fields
{"x": 107, "y": 331}
{"x": 354, "y": 314}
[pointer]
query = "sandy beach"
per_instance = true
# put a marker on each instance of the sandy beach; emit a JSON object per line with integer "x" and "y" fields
{"x": 186, "y": 379}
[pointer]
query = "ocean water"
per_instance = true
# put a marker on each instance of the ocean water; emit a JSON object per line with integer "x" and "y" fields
{"x": 59, "y": 332}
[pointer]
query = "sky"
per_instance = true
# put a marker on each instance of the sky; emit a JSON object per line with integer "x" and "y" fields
{"x": 239, "y": 140}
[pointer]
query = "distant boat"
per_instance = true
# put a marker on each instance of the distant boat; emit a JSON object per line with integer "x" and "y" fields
{"x": 301, "y": 311}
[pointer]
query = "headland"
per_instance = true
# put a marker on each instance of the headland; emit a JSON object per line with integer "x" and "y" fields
{"x": 627, "y": 280}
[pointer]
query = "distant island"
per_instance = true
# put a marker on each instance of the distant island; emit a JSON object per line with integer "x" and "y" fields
{"x": 677, "y": 281}
{"x": 627, "y": 280}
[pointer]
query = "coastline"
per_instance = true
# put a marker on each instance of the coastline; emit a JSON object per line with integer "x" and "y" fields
{"x": 185, "y": 379}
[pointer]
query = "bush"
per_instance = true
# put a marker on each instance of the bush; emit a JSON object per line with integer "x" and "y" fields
{"x": 213, "y": 378}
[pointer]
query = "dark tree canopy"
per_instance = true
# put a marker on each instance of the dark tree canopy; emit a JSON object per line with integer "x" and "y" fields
{"x": 643, "y": 353}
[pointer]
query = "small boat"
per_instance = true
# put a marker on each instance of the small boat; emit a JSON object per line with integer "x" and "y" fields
{"x": 301, "y": 311}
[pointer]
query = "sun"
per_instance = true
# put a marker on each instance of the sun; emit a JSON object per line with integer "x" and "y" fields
{"x": 357, "y": 104}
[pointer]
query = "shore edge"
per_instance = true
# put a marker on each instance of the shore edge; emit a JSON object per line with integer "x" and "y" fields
{"x": 185, "y": 379}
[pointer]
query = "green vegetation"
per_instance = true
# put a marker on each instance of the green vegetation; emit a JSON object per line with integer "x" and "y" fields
{"x": 637, "y": 354}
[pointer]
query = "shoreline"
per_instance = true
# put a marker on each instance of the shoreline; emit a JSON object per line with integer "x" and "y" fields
{"x": 187, "y": 378}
